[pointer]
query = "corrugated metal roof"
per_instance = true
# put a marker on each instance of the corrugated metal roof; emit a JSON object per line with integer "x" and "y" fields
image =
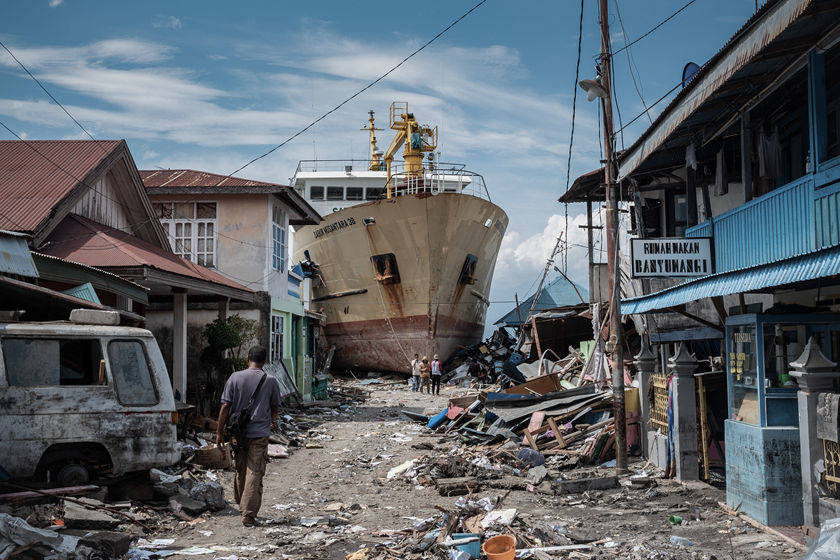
{"x": 82, "y": 240}
{"x": 756, "y": 34}
{"x": 191, "y": 182}
{"x": 37, "y": 174}
{"x": 781, "y": 273}
{"x": 192, "y": 178}
{"x": 557, "y": 293}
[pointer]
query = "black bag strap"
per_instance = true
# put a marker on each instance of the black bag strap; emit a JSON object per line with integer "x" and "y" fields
{"x": 257, "y": 390}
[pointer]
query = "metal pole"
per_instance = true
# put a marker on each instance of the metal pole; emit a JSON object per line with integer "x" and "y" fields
{"x": 616, "y": 336}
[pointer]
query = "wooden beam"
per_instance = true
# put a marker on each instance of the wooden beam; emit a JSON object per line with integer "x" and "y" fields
{"x": 561, "y": 443}
{"x": 742, "y": 303}
{"x": 536, "y": 335}
{"x": 719, "y": 307}
{"x": 695, "y": 318}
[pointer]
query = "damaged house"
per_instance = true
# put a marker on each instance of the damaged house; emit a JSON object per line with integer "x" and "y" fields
{"x": 240, "y": 229}
{"x": 93, "y": 234}
{"x": 744, "y": 164}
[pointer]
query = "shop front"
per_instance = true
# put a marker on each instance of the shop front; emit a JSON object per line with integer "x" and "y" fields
{"x": 763, "y": 473}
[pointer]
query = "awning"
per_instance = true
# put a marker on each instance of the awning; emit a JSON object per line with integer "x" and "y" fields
{"x": 812, "y": 266}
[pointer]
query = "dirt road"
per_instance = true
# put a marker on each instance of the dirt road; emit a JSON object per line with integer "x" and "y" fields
{"x": 332, "y": 498}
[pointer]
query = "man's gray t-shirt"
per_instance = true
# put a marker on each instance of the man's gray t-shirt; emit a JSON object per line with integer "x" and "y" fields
{"x": 238, "y": 390}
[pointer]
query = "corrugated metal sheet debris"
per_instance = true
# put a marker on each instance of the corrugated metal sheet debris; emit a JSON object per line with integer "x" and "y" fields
{"x": 15, "y": 257}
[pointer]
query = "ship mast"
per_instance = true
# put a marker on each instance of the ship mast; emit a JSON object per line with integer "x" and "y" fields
{"x": 375, "y": 154}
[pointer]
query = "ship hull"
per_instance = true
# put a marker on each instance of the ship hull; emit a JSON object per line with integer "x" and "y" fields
{"x": 434, "y": 301}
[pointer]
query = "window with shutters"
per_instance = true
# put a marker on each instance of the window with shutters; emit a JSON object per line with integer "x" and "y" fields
{"x": 192, "y": 229}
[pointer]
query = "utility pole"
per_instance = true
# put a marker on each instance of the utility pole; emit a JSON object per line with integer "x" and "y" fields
{"x": 614, "y": 345}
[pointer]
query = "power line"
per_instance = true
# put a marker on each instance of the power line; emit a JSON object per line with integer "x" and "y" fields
{"x": 572, "y": 134}
{"x": 359, "y": 92}
{"x": 654, "y": 28}
{"x": 630, "y": 63}
{"x": 56, "y": 101}
{"x": 654, "y": 104}
{"x": 98, "y": 144}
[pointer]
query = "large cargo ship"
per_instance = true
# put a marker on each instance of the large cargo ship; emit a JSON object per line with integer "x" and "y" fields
{"x": 406, "y": 252}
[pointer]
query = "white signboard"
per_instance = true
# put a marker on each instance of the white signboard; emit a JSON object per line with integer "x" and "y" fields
{"x": 671, "y": 257}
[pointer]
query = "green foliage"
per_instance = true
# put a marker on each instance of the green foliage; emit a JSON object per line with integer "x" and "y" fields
{"x": 230, "y": 334}
{"x": 226, "y": 339}
{"x": 222, "y": 334}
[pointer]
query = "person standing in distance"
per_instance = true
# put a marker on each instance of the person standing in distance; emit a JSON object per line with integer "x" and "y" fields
{"x": 251, "y": 457}
{"x": 437, "y": 375}
{"x": 424, "y": 375}
{"x": 415, "y": 373}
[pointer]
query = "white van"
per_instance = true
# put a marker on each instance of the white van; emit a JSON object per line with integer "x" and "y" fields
{"x": 81, "y": 401}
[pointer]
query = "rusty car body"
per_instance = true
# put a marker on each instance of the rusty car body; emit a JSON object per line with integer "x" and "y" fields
{"x": 79, "y": 401}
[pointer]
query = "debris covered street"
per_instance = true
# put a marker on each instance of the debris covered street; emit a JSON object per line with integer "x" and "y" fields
{"x": 332, "y": 497}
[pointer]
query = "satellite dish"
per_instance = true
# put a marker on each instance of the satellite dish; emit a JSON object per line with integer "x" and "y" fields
{"x": 688, "y": 72}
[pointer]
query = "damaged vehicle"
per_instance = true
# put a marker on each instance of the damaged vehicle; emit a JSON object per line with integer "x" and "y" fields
{"x": 83, "y": 399}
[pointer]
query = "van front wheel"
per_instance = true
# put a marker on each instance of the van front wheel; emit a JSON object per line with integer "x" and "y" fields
{"x": 72, "y": 475}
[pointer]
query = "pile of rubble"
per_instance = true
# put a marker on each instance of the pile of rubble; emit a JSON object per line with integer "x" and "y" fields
{"x": 111, "y": 517}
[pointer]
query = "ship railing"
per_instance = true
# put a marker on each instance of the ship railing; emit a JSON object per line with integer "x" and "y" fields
{"x": 346, "y": 165}
{"x": 437, "y": 179}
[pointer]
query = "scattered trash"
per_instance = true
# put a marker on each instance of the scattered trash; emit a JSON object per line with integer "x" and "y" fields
{"x": 500, "y": 547}
{"x": 680, "y": 541}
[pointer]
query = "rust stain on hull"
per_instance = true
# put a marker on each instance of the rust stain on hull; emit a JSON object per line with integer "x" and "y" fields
{"x": 363, "y": 346}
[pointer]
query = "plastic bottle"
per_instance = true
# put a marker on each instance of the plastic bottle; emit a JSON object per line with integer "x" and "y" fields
{"x": 680, "y": 541}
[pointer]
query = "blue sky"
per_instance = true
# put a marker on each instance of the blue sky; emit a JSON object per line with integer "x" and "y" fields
{"x": 209, "y": 85}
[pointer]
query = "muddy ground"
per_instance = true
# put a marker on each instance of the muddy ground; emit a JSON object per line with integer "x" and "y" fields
{"x": 342, "y": 473}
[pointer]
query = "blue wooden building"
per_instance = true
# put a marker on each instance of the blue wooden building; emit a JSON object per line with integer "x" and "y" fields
{"x": 748, "y": 155}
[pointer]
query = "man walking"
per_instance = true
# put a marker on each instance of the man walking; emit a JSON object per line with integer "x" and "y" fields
{"x": 437, "y": 374}
{"x": 250, "y": 455}
{"x": 415, "y": 373}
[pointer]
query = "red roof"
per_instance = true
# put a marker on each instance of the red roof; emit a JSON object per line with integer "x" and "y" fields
{"x": 88, "y": 242}
{"x": 37, "y": 174}
{"x": 191, "y": 178}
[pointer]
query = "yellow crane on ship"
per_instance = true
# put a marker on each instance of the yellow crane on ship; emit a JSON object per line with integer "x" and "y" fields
{"x": 414, "y": 138}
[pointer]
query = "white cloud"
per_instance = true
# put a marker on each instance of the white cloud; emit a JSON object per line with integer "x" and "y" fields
{"x": 54, "y": 3}
{"x": 167, "y": 22}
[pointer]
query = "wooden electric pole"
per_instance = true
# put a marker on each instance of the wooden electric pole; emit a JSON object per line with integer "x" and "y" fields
{"x": 614, "y": 345}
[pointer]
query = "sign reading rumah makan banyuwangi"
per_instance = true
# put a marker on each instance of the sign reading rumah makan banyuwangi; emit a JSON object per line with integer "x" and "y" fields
{"x": 671, "y": 257}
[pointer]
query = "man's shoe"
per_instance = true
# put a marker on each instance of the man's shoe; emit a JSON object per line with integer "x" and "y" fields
{"x": 249, "y": 522}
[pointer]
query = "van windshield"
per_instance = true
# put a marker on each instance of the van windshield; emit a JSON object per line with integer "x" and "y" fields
{"x": 33, "y": 362}
{"x": 131, "y": 373}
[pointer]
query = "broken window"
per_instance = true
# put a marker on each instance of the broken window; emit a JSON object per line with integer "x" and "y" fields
{"x": 132, "y": 376}
{"x": 32, "y": 362}
{"x": 468, "y": 270}
{"x": 386, "y": 268}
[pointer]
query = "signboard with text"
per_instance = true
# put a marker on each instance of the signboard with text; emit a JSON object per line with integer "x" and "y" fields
{"x": 671, "y": 257}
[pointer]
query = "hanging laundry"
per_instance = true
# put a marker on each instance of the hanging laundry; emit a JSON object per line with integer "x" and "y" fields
{"x": 690, "y": 157}
{"x": 721, "y": 183}
{"x": 769, "y": 154}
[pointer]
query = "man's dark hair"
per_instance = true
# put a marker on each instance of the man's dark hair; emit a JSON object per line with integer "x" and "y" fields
{"x": 257, "y": 354}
